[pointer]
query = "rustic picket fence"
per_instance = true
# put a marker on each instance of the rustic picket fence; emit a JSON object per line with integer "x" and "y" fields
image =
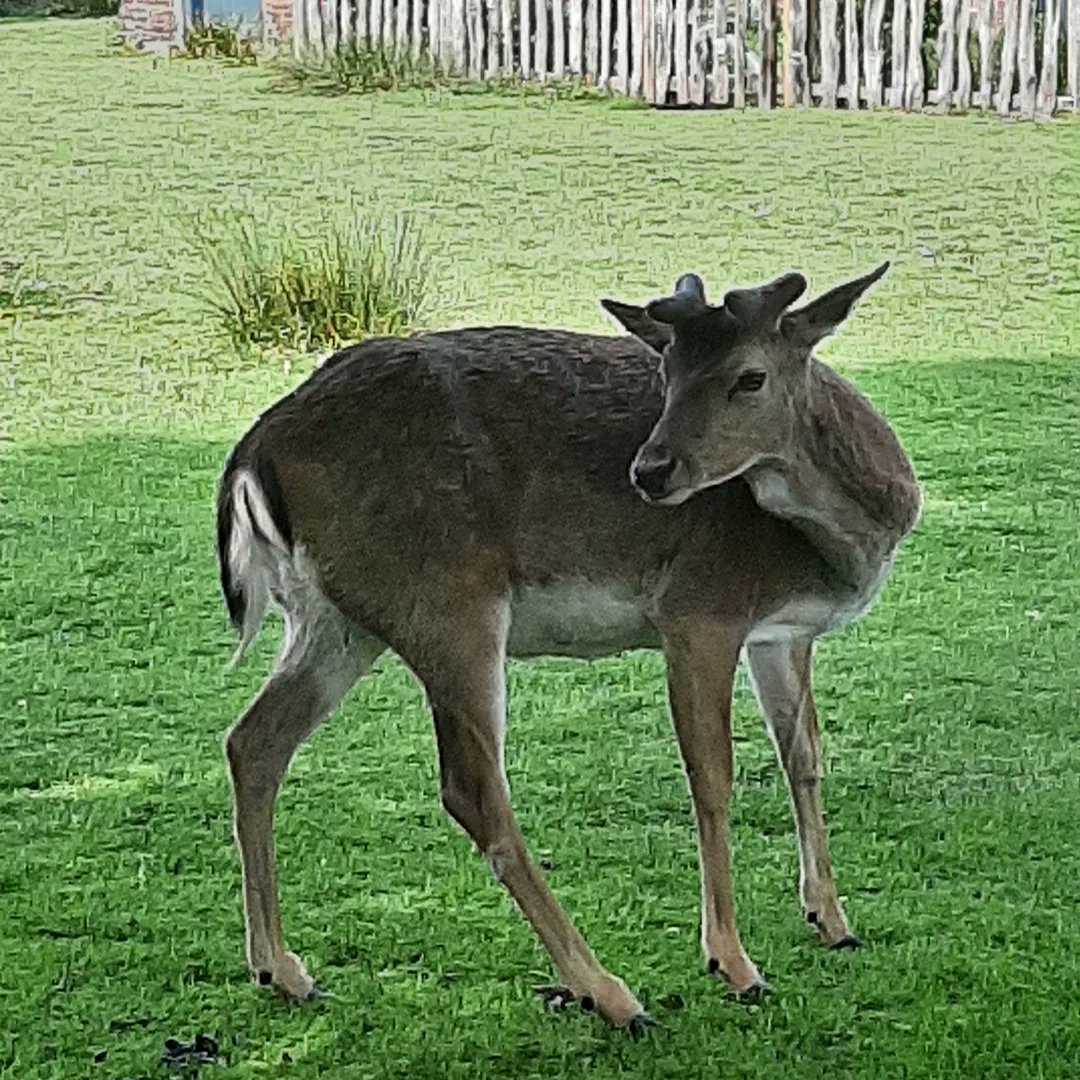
{"x": 732, "y": 52}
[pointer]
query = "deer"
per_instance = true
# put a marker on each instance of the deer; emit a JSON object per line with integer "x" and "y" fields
{"x": 703, "y": 485}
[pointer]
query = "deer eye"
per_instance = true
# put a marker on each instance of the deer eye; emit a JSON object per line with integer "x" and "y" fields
{"x": 747, "y": 383}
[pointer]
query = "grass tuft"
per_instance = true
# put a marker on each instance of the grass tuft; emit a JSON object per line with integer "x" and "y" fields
{"x": 218, "y": 41}
{"x": 23, "y": 292}
{"x": 366, "y": 69}
{"x": 360, "y": 69}
{"x": 365, "y": 277}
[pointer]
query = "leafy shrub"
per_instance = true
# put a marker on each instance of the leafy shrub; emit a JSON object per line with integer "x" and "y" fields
{"x": 368, "y": 276}
{"x": 218, "y": 41}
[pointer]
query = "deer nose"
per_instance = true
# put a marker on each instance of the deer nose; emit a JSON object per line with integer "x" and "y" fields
{"x": 651, "y": 474}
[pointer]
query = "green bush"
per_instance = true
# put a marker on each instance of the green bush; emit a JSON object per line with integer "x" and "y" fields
{"x": 218, "y": 41}
{"x": 368, "y": 276}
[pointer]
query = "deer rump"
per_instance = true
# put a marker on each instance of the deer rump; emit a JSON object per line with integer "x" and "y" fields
{"x": 406, "y": 470}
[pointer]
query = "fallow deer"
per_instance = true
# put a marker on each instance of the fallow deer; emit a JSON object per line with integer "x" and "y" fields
{"x": 705, "y": 486}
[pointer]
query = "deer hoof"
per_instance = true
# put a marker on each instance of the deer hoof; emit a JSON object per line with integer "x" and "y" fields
{"x": 555, "y": 998}
{"x": 640, "y": 1024}
{"x": 848, "y": 941}
{"x": 290, "y": 980}
{"x": 754, "y": 994}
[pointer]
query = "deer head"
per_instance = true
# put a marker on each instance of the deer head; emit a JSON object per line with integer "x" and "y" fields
{"x": 736, "y": 378}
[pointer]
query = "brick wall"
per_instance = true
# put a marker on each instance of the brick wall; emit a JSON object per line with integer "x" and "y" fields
{"x": 277, "y": 19}
{"x": 151, "y": 24}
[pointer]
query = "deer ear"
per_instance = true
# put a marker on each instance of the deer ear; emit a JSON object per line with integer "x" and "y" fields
{"x": 821, "y": 317}
{"x": 638, "y": 321}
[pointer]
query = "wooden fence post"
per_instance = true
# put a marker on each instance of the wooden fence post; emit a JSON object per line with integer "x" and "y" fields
{"x": 898, "y": 90}
{"x": 375, "y": 21}
{"x": 346, "y": 31}
{"x": 314, "y": 29}
{"x": 558, "y": 43}
{"x": 787, "y": 69}
{"x": 873, "y": 52}
{"x": 742, "y": 19}
{"x": 495, "y": 31}
{"x": 963, "y": 56}
{"x": 603, "y": 79}
{"x": 361, "y": 24}
{"x": 1072, "y": 56}
{"x": 720, "y": 77}
{"x": 986, "y": 55}
{"x": 299, "y": 30}
{"x": 1026, "y": 59}
{"x": 682, "y": 53}
{"x": 915, "y": 90}
{"x": 851, "y": 53}
{"x": 795, "y": 75}
{"x": 699, "y": 43}
{"x": 592, "y": 41}
{"x": 573, "y": 50}
{"x": 474, "y": 18}
{"x": 637, "y": 47}
{"x": 1047, "y": 104}
{"x": 458, "y": 34}
{"x": 540, "y": 41}
{"x": 506, "y": 45}
{"x": 524, "y": 33}
{"x": 622, "y": 46}
{"x": 1008, "y": 57}
{"x": 947, "y": 53}
{"x": 767, "y": 65}
{"x": 661, "y": 13}
{"x": 330, "y": 25}
{"x": 830, "y": 54}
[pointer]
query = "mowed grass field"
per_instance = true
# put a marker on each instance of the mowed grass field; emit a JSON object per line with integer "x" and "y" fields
{"x": 951, "y": 713}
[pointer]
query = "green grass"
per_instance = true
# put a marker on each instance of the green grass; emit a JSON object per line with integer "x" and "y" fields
{"x": 950, "y": 712}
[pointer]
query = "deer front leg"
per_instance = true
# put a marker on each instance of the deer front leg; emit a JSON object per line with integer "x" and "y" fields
{"x": 468, "y": 705}
{"x": 781, "y": 674}
{"x": 701, "y": 663}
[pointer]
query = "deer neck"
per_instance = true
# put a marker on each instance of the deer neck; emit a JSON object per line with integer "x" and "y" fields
{"x": 847, "y": 484}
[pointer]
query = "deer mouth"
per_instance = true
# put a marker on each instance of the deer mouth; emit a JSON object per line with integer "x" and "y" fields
{"x": 661, "y": 478}
{"x": 670, "y": 498}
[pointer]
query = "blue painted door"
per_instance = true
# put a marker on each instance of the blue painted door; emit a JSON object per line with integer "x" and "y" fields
{"x": 225, "y": 10}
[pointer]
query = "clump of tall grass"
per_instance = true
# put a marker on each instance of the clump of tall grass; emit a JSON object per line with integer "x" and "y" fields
{"x": 22, "y": 291}
{"x": 360, "y": 68}
{"x": 366, "y": 276}
{"x": 357, "y": 67}
{"x": 210, "y": 39}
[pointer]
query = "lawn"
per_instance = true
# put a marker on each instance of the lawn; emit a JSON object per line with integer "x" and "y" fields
{"x": 951, "y": 712}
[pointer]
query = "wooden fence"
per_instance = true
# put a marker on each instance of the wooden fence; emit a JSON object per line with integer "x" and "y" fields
{"x": 984, "y": 54}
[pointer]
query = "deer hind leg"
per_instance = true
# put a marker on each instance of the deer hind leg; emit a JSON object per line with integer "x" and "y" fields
{"x": 467, "y": 692}
{"x": 701, "y": 662}
{"x": 321, "y": 658}
{"x": 781, "y": 674}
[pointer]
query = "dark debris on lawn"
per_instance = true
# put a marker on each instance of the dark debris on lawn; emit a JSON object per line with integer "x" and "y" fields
{"x": 204, "y": 1050}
